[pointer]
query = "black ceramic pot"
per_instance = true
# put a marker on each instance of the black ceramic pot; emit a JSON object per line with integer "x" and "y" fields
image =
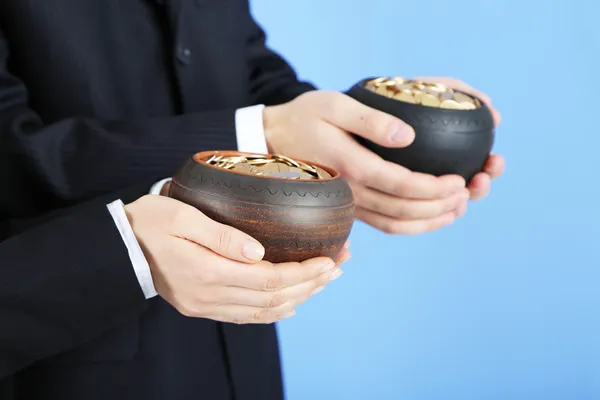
{"x": 293, "y": 219}
{"x": 446, "y": 141}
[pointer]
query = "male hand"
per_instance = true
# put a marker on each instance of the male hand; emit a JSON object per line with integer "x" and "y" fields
{"x": 316, "y": 126}
{"x": 210, "y": 270}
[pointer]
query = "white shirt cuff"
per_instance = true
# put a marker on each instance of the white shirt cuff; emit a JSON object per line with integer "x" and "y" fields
{"x": 139, "y": 262}
{"x": 249, "y": 130}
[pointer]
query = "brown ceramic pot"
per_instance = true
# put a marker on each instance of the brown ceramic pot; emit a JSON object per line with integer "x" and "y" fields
{"x": 293, "y": 219}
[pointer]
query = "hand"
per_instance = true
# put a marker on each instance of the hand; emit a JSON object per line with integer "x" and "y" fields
{"x": 480, "y": 185}
{"x": 316, "y": 125}
{"x": 209, "y": 270}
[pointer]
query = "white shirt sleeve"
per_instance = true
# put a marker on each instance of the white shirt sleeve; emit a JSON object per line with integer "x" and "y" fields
{"x": 139, "y": 262}
{"x": 250, "y": 136}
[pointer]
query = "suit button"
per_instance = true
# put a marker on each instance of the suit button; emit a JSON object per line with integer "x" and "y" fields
{"x": 184, "y": 55}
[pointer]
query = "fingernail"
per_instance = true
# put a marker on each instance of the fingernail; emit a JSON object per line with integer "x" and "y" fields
{"x": 399, "y": 133}
{"x": 253, "y": 251}
{"x": 327, "y": 266}
{"x": 336, "y": 274}
{"x": 317, "y": 290}
{"x": 288, "y": 314}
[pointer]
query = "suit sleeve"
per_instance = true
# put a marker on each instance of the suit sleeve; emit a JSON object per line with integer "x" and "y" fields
{"x": 63, "y": 283}
{"x": 272, "y": 80}
{"x": 46, "y": 166}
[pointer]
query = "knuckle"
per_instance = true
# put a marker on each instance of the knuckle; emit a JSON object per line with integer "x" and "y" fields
{"x": 223, "y": 240}
{"x": 374, "y": 124}
{"x": 276, "y": 300}
{"x": 405, "y": 190}
{"x": 271, "y": 283}
{"x": 274, "y": 281}
{"x": 356, "y": 174}
{"x": 259, "y": 316}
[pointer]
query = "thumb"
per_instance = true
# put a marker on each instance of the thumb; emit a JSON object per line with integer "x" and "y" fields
{"x": 369, "y": 123}
{"x": 222, "y": 239}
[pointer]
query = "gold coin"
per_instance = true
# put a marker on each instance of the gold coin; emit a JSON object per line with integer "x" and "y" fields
{"x": 404, "y": 96}
{"x": 437, "y": 87}
{"x": 286, "y": 160}
{"x": 306, "y": 176}
{"x": 215, "y": 159}
{"x": 382, "y": 90}
{"x": 376, "y": 81}
{"x": 462, "y": 98}
{"x": 418, "y": 95}
{"x": 431, "y": 91}
{"x": 450, "y": 104}
{"x": 255, "y": 169}
{"x": 285, "y": 174}
{"x": 405, "y": 86}
{"x": 465, "y": 105}
{"x": 430, "y": 100}
{"x": 323, "y": 174}
{"x": 241, "y": 168}
{"x": 296, "y": 169}
{"x": 260, "y": 161}
{"x": 306, "y": 167}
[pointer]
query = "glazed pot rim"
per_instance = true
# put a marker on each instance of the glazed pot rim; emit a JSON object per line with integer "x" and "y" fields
{"x": 202, "y": 156}
{"x": 360, "y": 86}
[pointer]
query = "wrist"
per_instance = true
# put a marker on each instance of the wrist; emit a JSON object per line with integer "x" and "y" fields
{"x": 272, "y": 116}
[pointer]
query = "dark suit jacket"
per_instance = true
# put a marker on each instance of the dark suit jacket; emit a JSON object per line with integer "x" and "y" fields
{"x": 49, "y": 275}
{"x": 96, "y": 96}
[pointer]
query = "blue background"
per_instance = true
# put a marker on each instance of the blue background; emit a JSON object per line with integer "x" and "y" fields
{"x": 504, "y": 304}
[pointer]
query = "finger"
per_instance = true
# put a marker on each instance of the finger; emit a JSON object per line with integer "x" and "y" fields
{"x": 261, "y": 315}
{"x": 494, "y": 166}
{"x": 407, "y": 209}
{"x": 272, "y": 299}
{"x": 391, "y": 178}
{"x": 238, "y": 314}
{"x": 352, "y": 116}
{"x": 342, "y": 257}
{"x": 396, "y": 226}
{"x": 479, "y": 186}
{"x": 268, "y": 277}
{"x": 461, "y": 210}
{"x": 468, "y": 89}
{"x": 224, "y": 240}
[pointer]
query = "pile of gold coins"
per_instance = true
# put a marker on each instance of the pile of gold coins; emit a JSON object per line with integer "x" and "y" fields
{"x": 426, "y": 94}
{"x": 276, "y": 166}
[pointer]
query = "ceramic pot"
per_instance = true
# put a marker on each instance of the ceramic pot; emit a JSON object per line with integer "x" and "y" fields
{"x": 293, "y": 219}
{"x": 446, "y": 141}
